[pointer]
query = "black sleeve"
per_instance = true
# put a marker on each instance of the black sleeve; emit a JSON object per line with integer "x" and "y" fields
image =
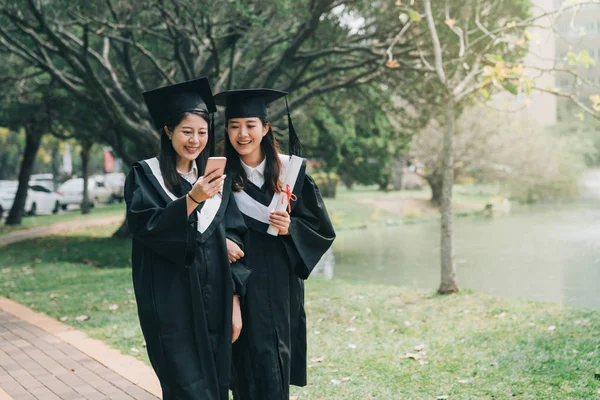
{"x": 311, "y": 230}
{"x": 166, "y": 229}
{"x": 236, "y": 230}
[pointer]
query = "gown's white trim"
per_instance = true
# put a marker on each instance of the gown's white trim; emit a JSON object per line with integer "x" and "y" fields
{"x": 252, "y": 208}
{"x": 209, "y": 210}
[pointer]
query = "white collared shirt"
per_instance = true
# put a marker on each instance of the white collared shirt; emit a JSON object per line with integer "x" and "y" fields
{"x": 192, "y": 175}
{"x": 256, "y": 175}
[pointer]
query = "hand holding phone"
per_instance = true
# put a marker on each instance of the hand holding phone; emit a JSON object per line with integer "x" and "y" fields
{"x": 215, "y": 164}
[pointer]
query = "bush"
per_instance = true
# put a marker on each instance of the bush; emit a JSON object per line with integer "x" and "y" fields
{"x": 327, "y": 183}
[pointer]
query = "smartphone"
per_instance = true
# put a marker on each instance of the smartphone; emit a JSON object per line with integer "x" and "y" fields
{"x": 214, "y": 164}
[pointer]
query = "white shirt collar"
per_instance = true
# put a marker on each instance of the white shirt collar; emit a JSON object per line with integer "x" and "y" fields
{"x": 192, "y": 175}
{"x": 260, "y": 168}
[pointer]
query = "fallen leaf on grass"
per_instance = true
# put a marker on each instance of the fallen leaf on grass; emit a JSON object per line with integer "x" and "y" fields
{"x": 351, "y": 346}
{"x": 501, "y": 315}
{"x": 63, "y": 319}
{"x": 346, "y": 379}
{"x": 53, "y": 296}
{"x": 465, "y": 380}
{"x": 443, "y": 397}
{"x": 317, "y": 332}
{"x": 350, "y": 329}
{"x": 335, "y": 381}
{"x": 419, "y": 347}
{"x": 317, "y": 359}
{"x": 392, "y": 330}
{"x": 81, "y": 318}
{"x": 551, "y": 328}
{"x": 407, "y": 323}
{"x": 134, "y": 350}
{"x": 113, "y": 307}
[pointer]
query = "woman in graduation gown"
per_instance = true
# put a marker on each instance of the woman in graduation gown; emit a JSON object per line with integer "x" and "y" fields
{"x": 271, "y": 351}
{"x": 186, "y": 290}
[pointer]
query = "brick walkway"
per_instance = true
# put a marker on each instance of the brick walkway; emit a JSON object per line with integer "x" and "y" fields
{"x": 44, "y": 359}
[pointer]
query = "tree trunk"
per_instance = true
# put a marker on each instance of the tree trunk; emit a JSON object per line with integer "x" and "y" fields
{"x": 33, "y": 138}
{"x": 397, "y": 172}
{"x": 436, "y": 184}
{"x": 448, "y": 284}
{"x": 56, "y": 162}
{"x": 86, "y": 147}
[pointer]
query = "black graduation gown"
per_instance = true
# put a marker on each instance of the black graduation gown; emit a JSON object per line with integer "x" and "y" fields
{"x": 184, "y": 284}
{"x": 271, "y": 351}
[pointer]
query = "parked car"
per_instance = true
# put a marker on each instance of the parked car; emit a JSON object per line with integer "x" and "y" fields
{"x": 115, "y": 182}
{"x": 72, "y": 192}
{"x": 39, "y": 200}
{"x": 45, "y": 180}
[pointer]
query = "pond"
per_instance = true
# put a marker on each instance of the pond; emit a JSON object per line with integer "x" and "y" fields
{"x": 547, "y": 253}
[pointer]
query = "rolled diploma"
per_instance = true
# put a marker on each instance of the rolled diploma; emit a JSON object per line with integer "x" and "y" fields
{"x": 291, "y": 175}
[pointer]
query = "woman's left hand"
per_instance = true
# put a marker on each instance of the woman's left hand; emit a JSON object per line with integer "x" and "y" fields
{"x": 280, "y": 220}
{"x": 236, "y": 319}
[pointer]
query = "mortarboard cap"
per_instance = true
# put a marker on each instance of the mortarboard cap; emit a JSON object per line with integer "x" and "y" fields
{"x": 248, "y": 103}
{"x": 194, "y": 95}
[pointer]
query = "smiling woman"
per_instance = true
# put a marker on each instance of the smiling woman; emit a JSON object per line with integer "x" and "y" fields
{"x": 282, "y": 250}
{"x": 186, "y": 290}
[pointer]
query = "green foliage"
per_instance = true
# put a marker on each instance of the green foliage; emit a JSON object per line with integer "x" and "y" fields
{"x": 104, "y": 54}
{"x": 583, "y": 58}
{"x": 12, "y": 144}
{"x": 357, "y": 139}
{"x": 584, "y": 131}
{"x": 327, "y": 183}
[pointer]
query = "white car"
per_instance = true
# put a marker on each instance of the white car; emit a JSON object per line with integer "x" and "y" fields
{"x": 115, "y": 182}
{"x": 45, "y": 180}
{"x": 72, "y": 192}
{"x": 39, "y": 200}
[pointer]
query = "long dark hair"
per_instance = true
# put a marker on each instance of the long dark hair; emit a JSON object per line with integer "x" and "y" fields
{"x": 269, "y": 147}
{"x": 168, "y": 157}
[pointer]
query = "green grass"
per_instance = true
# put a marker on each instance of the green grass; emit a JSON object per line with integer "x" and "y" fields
{"x": 365, "y": 205}
{"x": 65, "y": 216}
{"x": 475, "y": 346}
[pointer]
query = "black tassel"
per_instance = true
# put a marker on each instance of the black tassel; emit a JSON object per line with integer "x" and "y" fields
{"x": 294, "y": 145}
{"x": 211, "y": 136}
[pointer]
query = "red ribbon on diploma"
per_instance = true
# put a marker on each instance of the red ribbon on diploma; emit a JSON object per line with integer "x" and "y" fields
{"x": 290, "y": 197}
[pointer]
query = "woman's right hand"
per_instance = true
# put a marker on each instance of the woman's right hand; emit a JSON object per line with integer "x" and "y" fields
{"x": 234, "y": 252}
{"x": 204, "y": 189}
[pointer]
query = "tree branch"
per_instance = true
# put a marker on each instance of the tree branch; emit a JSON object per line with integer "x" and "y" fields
{"x": 437, "y": 48}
